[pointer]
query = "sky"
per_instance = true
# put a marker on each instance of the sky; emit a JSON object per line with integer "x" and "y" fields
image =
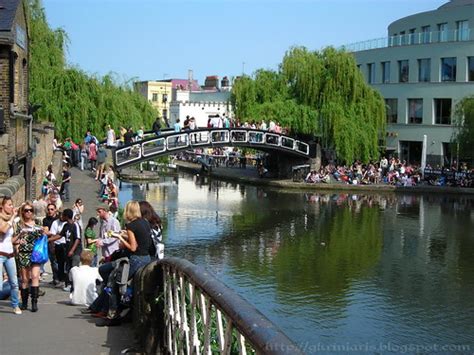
{"x": 163, "y": 39}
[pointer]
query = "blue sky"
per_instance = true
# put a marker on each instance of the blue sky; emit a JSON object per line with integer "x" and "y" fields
{"x": 156, "y": 39}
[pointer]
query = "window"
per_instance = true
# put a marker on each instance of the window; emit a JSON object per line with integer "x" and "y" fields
{"x": 415, "y": 111}
{"x": 443, "y": 32}
{"x": 448, "y": 69}
{"x": 403, "y": 70}
{"x": 442, "y": 108}
{"x": 425, "y": 34}
{"x": 385, "y": 72}
{"x": 391, "y": 110}
{"x": 424, "y": 70}
{"x": 165, "y": 97}
{"x": 462, "y": 30}
{"x": 403, "y": 38}
{"x": 411, "y": 36}
{"x": 154, "y": 97}
{"x": 165, "y": 114}
{"x": 470, "y": 68}
{"x": 370, "y": 73}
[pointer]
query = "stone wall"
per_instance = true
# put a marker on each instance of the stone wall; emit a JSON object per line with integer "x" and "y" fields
{"x": 14, "y": 84}
{"x": 15, "y": 188}
{"x": 42, "y": 156}
{"x": 4, "y": 103}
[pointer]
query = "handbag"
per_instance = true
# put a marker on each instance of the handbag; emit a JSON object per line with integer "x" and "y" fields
{"x": 39, "y": 254}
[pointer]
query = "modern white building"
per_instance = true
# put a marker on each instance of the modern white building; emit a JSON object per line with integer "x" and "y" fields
{"x": 423, "y": 69}
{"x": 199, "y": 105}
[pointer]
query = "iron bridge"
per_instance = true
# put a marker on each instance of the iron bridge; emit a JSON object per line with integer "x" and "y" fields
{"x": 153, "y": 146}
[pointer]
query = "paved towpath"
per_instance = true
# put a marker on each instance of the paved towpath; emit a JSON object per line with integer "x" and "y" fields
{"x": 58, "y": 328}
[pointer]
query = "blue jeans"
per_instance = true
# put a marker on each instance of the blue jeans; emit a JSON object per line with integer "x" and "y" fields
{"x": 136, "y": 262}
{"x": 10, "y": 267}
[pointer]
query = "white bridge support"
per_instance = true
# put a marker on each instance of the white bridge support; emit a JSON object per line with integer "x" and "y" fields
{"x": 171, "y": 142}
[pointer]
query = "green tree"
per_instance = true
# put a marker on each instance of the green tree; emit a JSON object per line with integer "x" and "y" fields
{"x": 244, "y": 96}
{"x": 69, "y": 97}
{"x": 320, "y": 93}
{"x": 464, "y": 134}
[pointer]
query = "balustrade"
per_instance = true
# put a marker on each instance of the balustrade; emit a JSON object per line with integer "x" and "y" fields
{"x": 153, "y": 146}
{"x": 200, "y": 314}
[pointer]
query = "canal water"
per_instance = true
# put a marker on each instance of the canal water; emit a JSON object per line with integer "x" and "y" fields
{"x": 336, "y": 271}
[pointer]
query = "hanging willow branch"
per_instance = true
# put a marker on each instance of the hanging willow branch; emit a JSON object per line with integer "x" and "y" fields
{"x": 319, "y": 93}
{"x": 72, "y": 99}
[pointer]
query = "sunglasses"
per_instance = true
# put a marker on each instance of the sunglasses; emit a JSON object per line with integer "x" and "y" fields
{"x": 28, "y": 210}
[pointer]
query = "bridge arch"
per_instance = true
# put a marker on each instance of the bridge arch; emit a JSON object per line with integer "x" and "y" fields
{"x": 173, "y": 142}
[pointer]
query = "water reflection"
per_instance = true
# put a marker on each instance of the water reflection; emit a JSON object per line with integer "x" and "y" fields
{"x": 330, "y": 268}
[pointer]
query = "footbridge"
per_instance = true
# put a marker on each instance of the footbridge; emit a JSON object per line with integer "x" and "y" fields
{"x": 171, "y": 142}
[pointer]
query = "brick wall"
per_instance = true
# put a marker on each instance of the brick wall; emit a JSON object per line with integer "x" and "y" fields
{"x": 4, "y": 102}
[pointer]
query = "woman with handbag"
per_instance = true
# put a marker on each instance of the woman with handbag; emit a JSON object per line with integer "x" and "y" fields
{"x": 27, "y": 233}
{"x": 7, "y": 255}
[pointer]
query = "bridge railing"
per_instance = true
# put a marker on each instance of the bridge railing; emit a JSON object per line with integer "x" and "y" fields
{"x": 181, "y": 308}
{"x": 172, "y": 141}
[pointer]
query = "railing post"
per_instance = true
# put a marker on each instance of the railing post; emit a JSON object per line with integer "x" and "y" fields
{"x": 148, "y": 308}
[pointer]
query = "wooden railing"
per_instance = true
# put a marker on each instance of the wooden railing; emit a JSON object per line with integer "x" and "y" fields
{"x": 181, "y": 308}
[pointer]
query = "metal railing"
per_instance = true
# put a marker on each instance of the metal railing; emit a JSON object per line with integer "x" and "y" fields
{"x": 171, "y": 142}
{"x": 183, "y": 309}
{"x": 412, "y": 39}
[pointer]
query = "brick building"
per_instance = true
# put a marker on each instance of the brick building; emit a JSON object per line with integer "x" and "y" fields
{"x": 16, "y": 124}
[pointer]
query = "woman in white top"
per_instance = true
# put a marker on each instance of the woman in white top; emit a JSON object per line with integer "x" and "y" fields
{"x": 7, "y": 258}
{"x": 110, "y": 137}
{"x": 78, "y": 210}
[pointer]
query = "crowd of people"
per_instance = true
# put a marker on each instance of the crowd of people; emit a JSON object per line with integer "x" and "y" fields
{"x": 84, "y": 257}
{"x": 391, "y": 171}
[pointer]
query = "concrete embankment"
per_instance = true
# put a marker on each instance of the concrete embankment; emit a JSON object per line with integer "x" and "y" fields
{"x": 249, "y": 176}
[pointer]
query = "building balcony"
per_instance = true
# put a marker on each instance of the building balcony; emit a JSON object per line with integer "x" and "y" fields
{"x": 412, "y": 39}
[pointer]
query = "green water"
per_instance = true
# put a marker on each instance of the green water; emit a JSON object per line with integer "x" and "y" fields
{"x": 365, "y": 273}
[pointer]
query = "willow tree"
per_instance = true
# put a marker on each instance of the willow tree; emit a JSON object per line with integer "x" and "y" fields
{"x": 319, "y": 93}
{"x": 464, "y": 134}
{"x": 69, "y": 97}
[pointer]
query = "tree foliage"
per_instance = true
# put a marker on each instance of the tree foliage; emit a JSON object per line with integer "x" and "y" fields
{"x": 69, "y": 97}
{"x": 464, "y": 134}
{"x": 319, "y": 93}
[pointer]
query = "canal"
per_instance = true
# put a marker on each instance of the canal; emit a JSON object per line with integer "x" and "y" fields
{"x": 336, "y": 271}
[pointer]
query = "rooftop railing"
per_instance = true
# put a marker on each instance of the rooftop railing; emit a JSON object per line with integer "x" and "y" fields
{"x": 411, "y": 39}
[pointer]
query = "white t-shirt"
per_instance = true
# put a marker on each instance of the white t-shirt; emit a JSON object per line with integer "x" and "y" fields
{"x": 6, "y": 245}
{"x": 56, "y": 228}
{"x": 83, "y": 278}
{"x": 110, "y": 137}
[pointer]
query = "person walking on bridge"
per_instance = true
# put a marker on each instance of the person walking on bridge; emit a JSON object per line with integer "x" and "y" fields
{"x": 157, "y": 126}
